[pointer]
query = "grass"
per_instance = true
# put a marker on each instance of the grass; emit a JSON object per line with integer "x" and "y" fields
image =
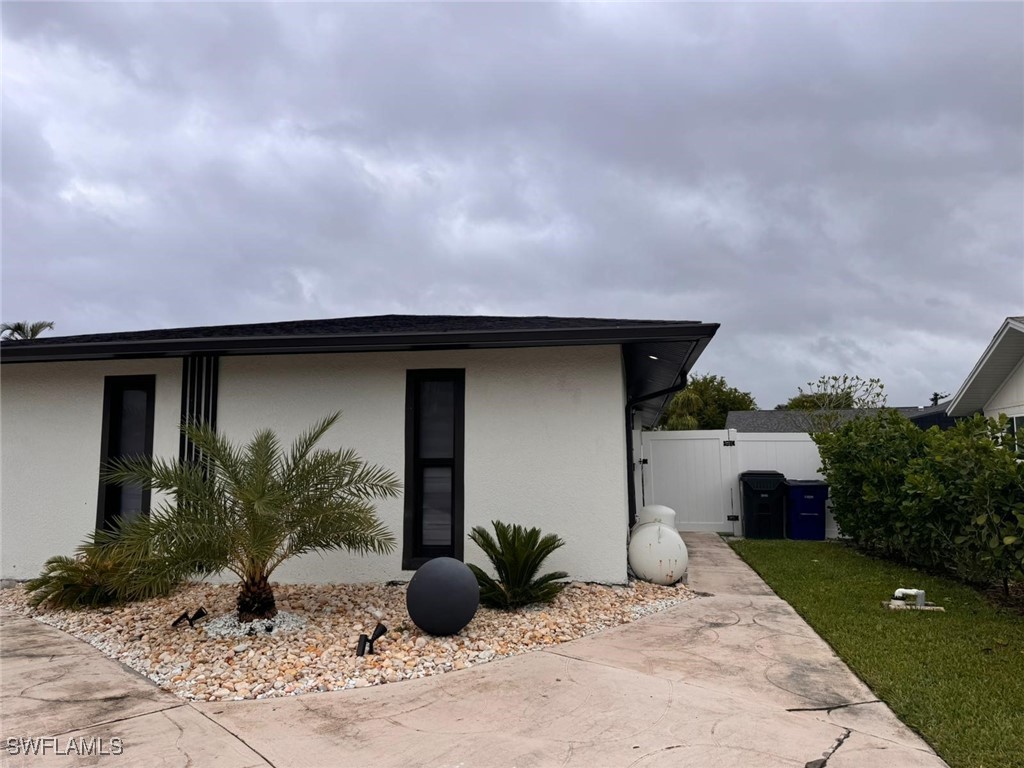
{"x": 957, "y": 678}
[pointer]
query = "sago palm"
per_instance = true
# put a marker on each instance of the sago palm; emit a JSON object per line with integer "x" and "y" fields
{"x": 517, "y": 554}
{"x": 247, "y": 509}
{"x": 24, "y": 330}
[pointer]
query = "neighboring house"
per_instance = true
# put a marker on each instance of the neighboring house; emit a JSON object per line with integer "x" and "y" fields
{"x": 996, "y": 384}
{"x": 781, "y": 421}
{"x": 529, "y": 420}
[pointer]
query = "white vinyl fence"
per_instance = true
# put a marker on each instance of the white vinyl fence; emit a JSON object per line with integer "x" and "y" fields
{"x": 696, "y": 473}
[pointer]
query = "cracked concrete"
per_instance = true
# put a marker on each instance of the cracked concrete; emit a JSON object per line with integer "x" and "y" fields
{"x": 732, "y": 678}
{"x": 821, "y": 762}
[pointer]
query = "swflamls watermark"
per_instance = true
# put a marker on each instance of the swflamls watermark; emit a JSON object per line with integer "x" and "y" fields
{"x": 55, "y": 745}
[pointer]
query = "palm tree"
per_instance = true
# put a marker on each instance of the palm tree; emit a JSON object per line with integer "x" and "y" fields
{"x": 247, "y": 509}
{"x": 24, "y": 330}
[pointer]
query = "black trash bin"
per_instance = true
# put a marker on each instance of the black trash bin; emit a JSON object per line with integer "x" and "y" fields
{"x": 764, "y": 504}
{"x": 806, "y": 501}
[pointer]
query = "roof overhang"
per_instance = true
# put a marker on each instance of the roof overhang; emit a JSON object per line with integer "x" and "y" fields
{"x": 661, "y": 366}
{"x": 1000, "y": 359}
{"x": 656, "y": 355}
{"x": 671, "y": 334}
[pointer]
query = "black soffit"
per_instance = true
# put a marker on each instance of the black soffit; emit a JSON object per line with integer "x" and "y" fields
{"x": 658, "y": 366}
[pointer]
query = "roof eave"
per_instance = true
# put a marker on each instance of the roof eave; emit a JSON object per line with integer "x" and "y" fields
{"x": 965, "y": 402}
{"x": 309, "y": 344}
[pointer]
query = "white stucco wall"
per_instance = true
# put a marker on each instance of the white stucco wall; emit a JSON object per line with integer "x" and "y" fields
{"x": 544, "y": 442}
{"x": 1009, "y": 398}
{"x": 544, "y": 445}
{"x": 51, "y": 417}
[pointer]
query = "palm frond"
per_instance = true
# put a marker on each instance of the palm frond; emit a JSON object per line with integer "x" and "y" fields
{"x": 305, "y": 443}
{"x": 24, "y": 329}
{"x": 90, "y": 578}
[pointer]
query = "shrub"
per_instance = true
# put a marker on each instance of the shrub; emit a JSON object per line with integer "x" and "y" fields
{"x": 949, "y": 499}
{"x": 517, "y": 555}
{"x": 967, "y": 492}
{"x": 87, "y": 580}
{"x": 865, "y": 463}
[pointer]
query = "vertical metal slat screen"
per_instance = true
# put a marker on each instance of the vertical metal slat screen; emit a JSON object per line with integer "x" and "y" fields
{"x": 199, "y": 379}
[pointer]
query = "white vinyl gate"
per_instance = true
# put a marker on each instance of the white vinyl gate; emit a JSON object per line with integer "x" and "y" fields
{"x": 696, "y": 472}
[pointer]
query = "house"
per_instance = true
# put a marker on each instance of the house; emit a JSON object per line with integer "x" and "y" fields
{"x": 783, "y": 421}
{"x": 528, "y": 419}
{"x": 996, "y": 384}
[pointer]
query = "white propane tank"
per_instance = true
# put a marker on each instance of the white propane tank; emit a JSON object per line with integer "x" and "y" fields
{"x": 657, "y": 553}
{"x": 657, "y": 513}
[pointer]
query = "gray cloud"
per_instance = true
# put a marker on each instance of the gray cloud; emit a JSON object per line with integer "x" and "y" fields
{"x": 840, "y": 186}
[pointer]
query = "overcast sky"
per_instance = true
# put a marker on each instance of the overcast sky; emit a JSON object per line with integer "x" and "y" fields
{"x": 840, "y": 186}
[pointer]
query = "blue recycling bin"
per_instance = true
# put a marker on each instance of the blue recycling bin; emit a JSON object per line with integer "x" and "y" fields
{"x": 805, "y": 505}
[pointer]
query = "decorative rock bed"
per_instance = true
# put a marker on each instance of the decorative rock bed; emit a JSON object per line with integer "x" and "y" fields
{"x": 312, "y": 645}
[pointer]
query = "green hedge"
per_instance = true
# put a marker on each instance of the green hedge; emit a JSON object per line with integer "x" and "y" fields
{"x": 950, "y": 499}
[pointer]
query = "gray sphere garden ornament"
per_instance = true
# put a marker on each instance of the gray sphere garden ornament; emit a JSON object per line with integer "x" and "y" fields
{"x": 443, "y": 596}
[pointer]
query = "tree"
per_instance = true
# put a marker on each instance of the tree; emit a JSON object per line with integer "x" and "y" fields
{"x": 247, "y": 509}
{"x": 705, "y": 403}
{"x": 809, "y": 401}
{"x": 24, "y": 330}
{"x": 825, "y": 398}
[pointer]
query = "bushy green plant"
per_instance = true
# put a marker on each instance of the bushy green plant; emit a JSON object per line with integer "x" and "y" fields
{"x": 517, "y": 554}
{"x": 865, "y": 462}
{"x": 949, "y": 499}
{"x": 966, "y": 493}
{"x": 87, "y": 580}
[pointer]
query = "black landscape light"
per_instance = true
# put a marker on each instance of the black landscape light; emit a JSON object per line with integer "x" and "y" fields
{"x": 199, "y": 614}
{"x": 365, "y": 645}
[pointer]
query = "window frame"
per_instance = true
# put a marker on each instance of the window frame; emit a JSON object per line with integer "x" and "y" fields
{"x": 114, "y": 388}
{"x": 414, "y": 552}
{"x": 1017, "y": 430}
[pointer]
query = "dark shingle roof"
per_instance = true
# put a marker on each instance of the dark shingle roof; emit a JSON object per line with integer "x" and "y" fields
{"x": 797, "y": 421}
{"x": 353, "y": 326}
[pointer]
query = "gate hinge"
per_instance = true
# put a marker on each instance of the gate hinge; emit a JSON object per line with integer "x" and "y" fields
{"x": 644, "y": 461}
{"x": 728, "y": 443}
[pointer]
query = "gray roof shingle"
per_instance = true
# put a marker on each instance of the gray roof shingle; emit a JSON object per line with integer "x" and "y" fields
{"x": 797, "y": 421}
{"x": 354, "y": 326}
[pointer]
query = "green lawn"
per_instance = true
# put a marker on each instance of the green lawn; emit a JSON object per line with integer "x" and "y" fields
{"x": 957, "y": 677}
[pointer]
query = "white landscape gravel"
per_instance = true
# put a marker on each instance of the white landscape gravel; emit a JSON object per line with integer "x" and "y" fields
{"x": 312, "y": 645}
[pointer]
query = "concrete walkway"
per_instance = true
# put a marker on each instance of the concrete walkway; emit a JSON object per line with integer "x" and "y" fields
{"x": 731, "y": 679}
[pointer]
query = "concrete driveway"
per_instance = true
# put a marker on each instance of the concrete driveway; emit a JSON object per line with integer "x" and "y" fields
{"x": 735, "y": 678}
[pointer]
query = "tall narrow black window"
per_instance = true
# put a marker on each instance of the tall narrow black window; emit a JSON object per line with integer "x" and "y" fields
{"x": 434, "y": 414}
{"x": 127, "y": 431}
